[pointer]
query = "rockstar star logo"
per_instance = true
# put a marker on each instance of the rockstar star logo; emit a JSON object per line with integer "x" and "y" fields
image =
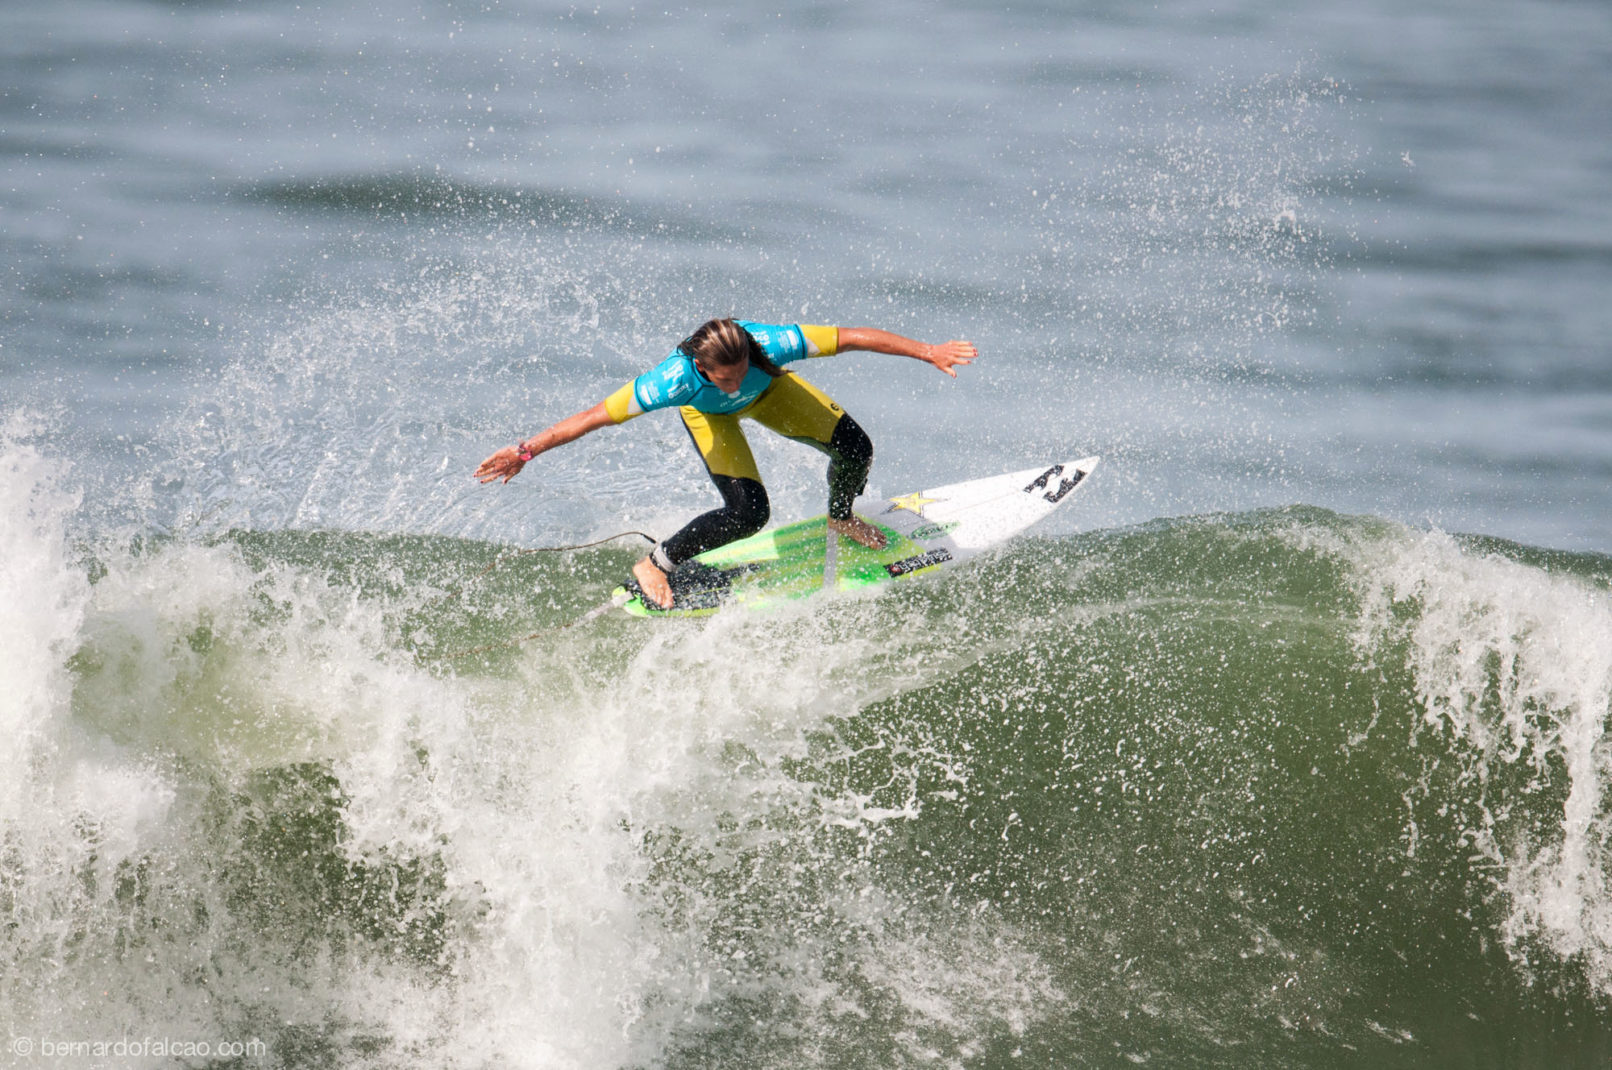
{"x": 913, "y": 503}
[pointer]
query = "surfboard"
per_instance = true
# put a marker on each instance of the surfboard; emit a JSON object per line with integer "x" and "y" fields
{"x": 926, "y": 531}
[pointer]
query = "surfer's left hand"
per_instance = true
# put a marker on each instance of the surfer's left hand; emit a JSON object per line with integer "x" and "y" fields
{"x": 948, "y": 356}
{"x": 506, "y": 463}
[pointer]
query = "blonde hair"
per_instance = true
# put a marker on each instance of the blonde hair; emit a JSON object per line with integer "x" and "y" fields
{"x": 723, "y": 343}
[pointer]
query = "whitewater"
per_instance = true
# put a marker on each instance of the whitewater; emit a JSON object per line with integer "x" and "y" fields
{"x": 1264, "y": 786}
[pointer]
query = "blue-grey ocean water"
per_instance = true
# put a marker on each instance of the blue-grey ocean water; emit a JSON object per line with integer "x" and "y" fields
{"x": 1285, "y": 747}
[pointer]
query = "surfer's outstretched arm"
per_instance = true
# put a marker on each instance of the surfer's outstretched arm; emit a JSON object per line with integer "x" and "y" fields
{"x": 946, "y": 356}
{"x": 507, "y": 462}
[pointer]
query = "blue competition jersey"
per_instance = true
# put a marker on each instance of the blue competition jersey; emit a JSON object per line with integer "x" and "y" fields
{"x": 675, "y": 381}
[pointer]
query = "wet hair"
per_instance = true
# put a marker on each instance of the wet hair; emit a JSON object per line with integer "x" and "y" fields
{"x": 723, "y": 343}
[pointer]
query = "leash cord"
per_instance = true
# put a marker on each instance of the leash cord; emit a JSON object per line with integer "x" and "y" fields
{"x": 501, "y": 558}
{"x": 590, "y": 615}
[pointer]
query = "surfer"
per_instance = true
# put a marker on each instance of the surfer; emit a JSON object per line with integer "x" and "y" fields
{"x": 727, "y": 371}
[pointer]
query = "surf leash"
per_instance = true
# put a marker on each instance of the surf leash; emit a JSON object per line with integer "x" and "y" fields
{"x": 501, "y": 558}
{"x": 592, "y": 614}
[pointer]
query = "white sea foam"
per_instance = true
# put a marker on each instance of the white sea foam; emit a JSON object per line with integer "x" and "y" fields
{"x": 42, "y": 596}
{"x": 201, "y": 666}
{"x": 369, "y": 411}
{"x": 1514, "y": 663}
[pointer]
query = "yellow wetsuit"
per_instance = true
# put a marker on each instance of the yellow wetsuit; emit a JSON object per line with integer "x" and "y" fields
{"x": 787, "y": 404}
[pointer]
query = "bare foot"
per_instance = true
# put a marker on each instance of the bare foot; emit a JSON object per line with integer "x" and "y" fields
{"x": 653, "y": 581}
{"x": 859, "y": 531}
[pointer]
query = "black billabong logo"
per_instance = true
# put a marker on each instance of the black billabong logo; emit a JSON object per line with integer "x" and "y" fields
{"x": 924, "y": 560}
{"x": 1064, "y": 486}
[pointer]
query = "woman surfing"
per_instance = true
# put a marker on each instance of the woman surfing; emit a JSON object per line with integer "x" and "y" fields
{"x": 727, "y": 371}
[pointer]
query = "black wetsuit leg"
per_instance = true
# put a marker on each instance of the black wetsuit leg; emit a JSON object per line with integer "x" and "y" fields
{"x": 850, "y": 454}
{"x": 744, "y": 511}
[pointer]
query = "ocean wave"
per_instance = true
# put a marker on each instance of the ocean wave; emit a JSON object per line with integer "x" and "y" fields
{"x": 1283, "y": 786}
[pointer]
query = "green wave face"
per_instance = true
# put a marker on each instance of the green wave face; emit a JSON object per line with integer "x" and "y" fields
{"x": 1280, "y": 789}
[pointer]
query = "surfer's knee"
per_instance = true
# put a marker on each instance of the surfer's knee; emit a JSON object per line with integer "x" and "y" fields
{"x": 850, "y": 444}
{"x": 746, "y": 503}
{"x": 851, "y": 455}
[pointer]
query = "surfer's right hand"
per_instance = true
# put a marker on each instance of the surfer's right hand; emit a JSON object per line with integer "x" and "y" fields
{"x": 505, "y": 464}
